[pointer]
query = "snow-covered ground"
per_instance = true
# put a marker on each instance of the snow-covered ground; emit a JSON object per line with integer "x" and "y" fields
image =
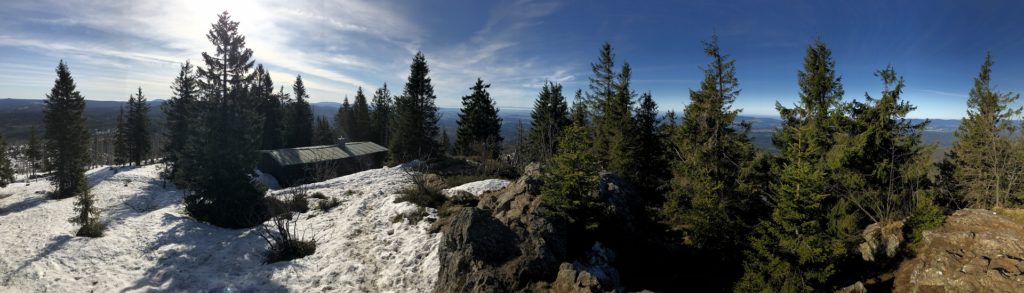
{"x": 479, "y": 187}
{"x": 150, "y": 244}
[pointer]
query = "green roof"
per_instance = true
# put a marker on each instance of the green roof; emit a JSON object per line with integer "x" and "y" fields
{"x": 320, "y": 153}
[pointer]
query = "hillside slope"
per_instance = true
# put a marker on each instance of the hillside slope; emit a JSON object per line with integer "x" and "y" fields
{"x": 151, "y": 245}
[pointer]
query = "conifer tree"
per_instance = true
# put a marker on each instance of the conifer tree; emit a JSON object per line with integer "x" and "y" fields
{"x": 360, "y": 117}
{"x": 611, "y": 103}
{"x": 6, "y": 171}
{"x": 888, "y": 175}
{"x": 33, "y": 151}
{"x": 138, "y": 129}
{"x": 414, "y": 129}
{"x": 121, "y": 146}
{"x": 709, "y": 147}
{"x": 381, "y": 116}
{"x": 549, "y": 117}
{"x": 571, "y": 180}
{"x": 323, "y": 134}
{"x": 479, "y": 127}
{"x": 222, "y": 191}
{"x": 801, "y": 245}
{"x": 650, "y": 159}
{"x": 982, "y": 163}
{"x": 86, "y": 213}
{"x": 182, "y": 119}
{"x": 579, "y": 113}
{"x": 67, "y": 138}
{"x": 446, "y": 145}
{"x": 300, "y": 128}
{"x": 271, "y": 107}
{"x": 345, "y": 119}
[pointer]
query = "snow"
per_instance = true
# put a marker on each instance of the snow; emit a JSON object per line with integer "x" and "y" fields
{"x": 151, "y": 245}
{"x": 479, "y": 187}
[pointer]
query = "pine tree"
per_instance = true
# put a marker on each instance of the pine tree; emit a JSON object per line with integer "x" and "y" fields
{"x": 345, "y": 119}
{"x": 446, "y": 145}
{"x": 549, "y": 117}
{"x": 982, "y": 161}
{"x": 381, "y": 116}
{"x": 67, "y": 138}
{"x": 571, "y": 180}
{"x": 579, "y": 113}
{"x": 6, "y": 171}
{"x": 181, "y": 112}
{"x": 708, "y": 147}
{"x": 323, "y": 134}
{"x": 33, "y": 151}
{"x": 138, "y": 129}
{"x": 222, "y": 191}
{"x": 479, "y": 127}
{"x": 650, "y": 153}
{"x": 888, "y": 175}
{"x": 360, "y": 117}
{"x": 300, "y": 127}
{"x": 414, "y": 127}
{"x": 611, "y": 103}
{"x": 803, "y": 242}
{"x": 121, "y": 146}
{"x": 271, "y": 107}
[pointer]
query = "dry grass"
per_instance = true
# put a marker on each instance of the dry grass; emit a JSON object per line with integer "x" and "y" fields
{"x": 1017, "y": 215}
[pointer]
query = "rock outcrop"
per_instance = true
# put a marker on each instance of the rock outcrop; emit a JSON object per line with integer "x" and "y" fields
{"x": 592, "y": 274}
{"x": 503, "y": 244}
{"x": 973, "y": 251}
{"x": 508, "y": 243}
{"x": 881, "y": 240}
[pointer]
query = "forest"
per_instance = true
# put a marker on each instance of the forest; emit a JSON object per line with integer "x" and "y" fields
{"x": 789, "y": 220}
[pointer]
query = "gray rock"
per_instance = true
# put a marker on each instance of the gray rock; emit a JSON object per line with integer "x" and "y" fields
{"x": 973, "y": 251}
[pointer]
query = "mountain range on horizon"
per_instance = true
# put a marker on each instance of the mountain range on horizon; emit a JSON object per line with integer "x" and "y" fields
{"x": 18, "y": 116}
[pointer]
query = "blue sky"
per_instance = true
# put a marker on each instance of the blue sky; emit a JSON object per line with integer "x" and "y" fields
{"x": 114, "y": 46}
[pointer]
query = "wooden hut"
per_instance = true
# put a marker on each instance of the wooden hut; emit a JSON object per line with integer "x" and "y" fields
{"x": 294, "y": 166}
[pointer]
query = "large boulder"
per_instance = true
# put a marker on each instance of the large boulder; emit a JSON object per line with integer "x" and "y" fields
{"x": 881, "y": 240}
{"x": 973, "y": 251}
{"x": 504, "y": 244}
{"x": 592, "y": 274}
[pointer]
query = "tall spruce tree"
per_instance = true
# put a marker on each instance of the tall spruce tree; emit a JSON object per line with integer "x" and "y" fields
{"x": 579, "y": 114}
{"x": 982, "y": 163}
{"x": 549, "y": 117}
{"x": 271, "y": 107}
{"x": 6, "y": 171}
{"x": 323, "y": 134}
{"x": 709, "y": 146}
{"x": 121, "y": 152}
{"x": 650, "y": 159}
{"x": 479, "y": 127}
{"x": 414, "y": 129}
{"x": 611, "y": 102}
{"x": 181, "y": 112}
{"x": 381, "y": 116}
{"x": 222, "y": 191}
{"x": 345, "y": 119}
{"x": 887, "y": 176}
{"x": 300, "y": 127}
{"x": 360, "y": 117}
{"x": 67, "y": 139}
{"x": 138, "y": 129}
{"x": 34, "y": 151}
{"x": 801, "y": 245}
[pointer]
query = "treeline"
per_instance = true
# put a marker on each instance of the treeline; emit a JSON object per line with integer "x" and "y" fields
{"x": 769, "y": 222}
{"x": 790, "y": 222}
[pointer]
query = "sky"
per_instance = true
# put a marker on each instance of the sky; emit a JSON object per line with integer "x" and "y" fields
{"x": 116, "y": 46}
